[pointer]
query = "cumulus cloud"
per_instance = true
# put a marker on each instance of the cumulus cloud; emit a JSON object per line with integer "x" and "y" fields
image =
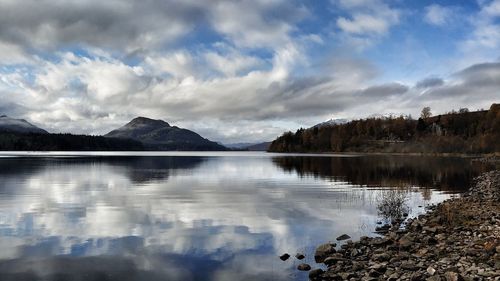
{"x": 126, "y": 25}
{"x": 482, "y": 43}
{"x": 211, "y": 66}
{"x": 439, "y": 15}
{"x": 366, "y": 19}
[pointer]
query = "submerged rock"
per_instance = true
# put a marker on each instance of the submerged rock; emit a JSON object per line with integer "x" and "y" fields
{"x": 343, "y": 237}
{"x": 300, "y": 256}
{"x": 304, "y": 267}
{"x": 284, "y": 257}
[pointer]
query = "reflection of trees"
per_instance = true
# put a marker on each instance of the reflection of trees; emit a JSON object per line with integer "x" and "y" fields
{"x": 138, "y": 169}
{"x": 445, "y": 173}
{"x": 146, "y": 169}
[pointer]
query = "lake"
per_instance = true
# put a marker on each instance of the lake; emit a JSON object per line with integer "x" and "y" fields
{"x": 199, "y": 216}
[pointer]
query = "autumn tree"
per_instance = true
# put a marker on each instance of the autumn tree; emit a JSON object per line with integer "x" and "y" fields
{"x": 426, "y": 112}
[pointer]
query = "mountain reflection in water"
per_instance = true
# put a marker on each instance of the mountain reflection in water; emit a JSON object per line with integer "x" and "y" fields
{"x": 204, "y": 217}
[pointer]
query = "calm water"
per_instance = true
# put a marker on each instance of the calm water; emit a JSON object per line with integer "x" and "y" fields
{"x": 197, "y": 216}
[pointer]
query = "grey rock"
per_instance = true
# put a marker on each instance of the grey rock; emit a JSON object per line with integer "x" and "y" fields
{"x": 304, "y": 267}
{"x": 323, "y": 251}
{"x": 315, "y": 273}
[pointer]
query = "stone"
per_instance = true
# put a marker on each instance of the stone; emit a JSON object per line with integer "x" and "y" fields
{"x": 315, "y": 273}
{"x": 333, "y": 259}
{"x": 451, "y": 276}
{"x": 343, "y": 237}
{"x": 429, "y": 229}
{"x": 431, "y": 270}
{"x": 323, "y": 251}
{"x": 405, "y": 243}
{"x": 381, "y": 257}
{"x": 284, "y": 257}
{"x": 393, "y": 277}
{"x": 300, "y": 256}
{"x": 374, "y": 273}
{"x": 304, "y": 267}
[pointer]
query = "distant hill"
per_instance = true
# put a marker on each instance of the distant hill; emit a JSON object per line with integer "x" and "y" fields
{"x": 239, "y": 145}
{"x": 264, "y": 146}
{"x": 159, "y": 135}
{"x": 8, "y": 124}
{"x": 249, "y": 146}
{"x": 456, "y": 132}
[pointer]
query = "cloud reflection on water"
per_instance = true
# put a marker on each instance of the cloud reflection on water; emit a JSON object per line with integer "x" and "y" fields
{"x": 179, "y": 218}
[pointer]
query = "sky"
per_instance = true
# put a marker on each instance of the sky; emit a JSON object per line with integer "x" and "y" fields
{"x": 243, "y": 71}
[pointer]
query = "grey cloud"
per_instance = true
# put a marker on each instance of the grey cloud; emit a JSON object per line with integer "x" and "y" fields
{"x": 476, "y": 87}
{"x": 385, "y": 90}
{"x": 11, "y": 109}
{"x": 132, "y": 24}
{"x": 481, "y": 74}
{"x": 429, "y": 83}
{"x": 138, "y": 25}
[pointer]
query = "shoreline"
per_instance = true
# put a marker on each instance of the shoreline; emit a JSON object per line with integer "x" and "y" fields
{"x": 495, "y": 155}
{"x": 458, "y": 239}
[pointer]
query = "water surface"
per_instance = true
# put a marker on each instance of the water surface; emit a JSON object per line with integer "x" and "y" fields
{"x": 197, "y": 216}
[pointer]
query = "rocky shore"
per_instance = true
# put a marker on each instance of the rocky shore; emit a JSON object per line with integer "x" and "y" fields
{"x": 458, "y": 239}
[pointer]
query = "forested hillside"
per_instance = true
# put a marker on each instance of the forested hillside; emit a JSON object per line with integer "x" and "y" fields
{"x": 64, "y": 142}
{"x": 455, "y": 132}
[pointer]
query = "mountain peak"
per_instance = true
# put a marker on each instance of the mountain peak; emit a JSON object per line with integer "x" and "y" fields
{"x": 331, "y": 122}
{"x": 8, "y": 124}
{"x": 148, "y": 121}
{"x": 159, "y": 135}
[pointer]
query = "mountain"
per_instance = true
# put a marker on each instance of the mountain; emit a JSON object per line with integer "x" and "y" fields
{"x": 8, "y": 124}
{"x": 159, "y": 135}
{"x": 264, "y": 146}
{"x": 331, "y": 122}
{"x": 251, "y": 146}
{"x": 239, "y": 145}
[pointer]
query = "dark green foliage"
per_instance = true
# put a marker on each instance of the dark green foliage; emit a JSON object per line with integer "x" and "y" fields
{"x": 462, "y": 132}
{"x": 64, "y": 142}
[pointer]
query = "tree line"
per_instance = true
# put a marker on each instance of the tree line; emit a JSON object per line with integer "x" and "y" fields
{"x": 456, "y": 132}
{"x": 10, "y": 141}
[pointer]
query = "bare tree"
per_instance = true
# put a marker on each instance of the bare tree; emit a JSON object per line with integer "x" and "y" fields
{"x": 426, "y": 112}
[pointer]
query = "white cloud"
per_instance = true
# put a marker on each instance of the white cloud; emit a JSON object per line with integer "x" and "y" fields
{"x": 367, "y": 20}
{"x": 493, "y": 8}
{"x": 363, "y": 24}
{"x": 439, "y": 15}
{"x": 179, "y": 64}
{"x": 247, "y": 24}
{"x": 230, "y": 62}
{"x": 482, "y": 44}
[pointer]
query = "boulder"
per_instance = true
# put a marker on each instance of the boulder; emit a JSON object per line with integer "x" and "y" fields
{"x": 323, "y": 251}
